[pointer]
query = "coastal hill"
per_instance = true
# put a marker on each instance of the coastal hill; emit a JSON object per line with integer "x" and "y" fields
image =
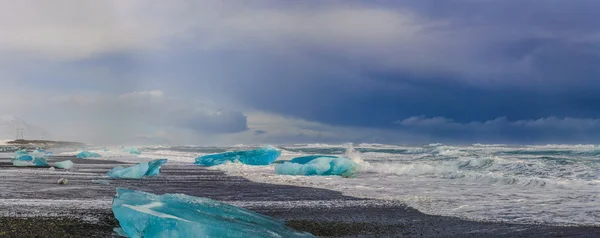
{"x": 43, "y": 144}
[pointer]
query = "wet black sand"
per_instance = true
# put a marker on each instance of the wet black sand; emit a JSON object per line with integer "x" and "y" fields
{"x": 32, "y": 204}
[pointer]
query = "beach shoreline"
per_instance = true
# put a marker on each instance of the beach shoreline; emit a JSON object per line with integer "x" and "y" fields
{"x": 33, "y": 204}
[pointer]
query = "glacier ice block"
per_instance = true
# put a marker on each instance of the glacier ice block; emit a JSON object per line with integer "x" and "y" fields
{"x": 132, "y": 150}
{"x": 138, "y": 171}
{"x": 308, "y": 158}
{"x": 67, "y": 164}
{"x": 87, "y": 154}
{"x": 142, "y": 214}
{"x": 263, "y": 156}
{"x": 323, "y": 166}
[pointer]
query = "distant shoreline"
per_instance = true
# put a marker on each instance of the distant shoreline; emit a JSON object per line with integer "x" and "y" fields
{"x": 42, "y": 143}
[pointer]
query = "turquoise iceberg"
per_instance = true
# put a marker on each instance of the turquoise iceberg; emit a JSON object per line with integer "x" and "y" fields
{"x": 308, "y": 158}
{"x": 87, "y": 154}
{"x": 138, "y": 171}
{"x": 323, "y": 166}
{"x": 132, "y": 150}
{"x": 67, "y": 164}
{"x": 262, "y": 156}
{"x": 143, "y": 214}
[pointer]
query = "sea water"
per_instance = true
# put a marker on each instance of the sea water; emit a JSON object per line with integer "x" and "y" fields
{"x": 552, "y": 184}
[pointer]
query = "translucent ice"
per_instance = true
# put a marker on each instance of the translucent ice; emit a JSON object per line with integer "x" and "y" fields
{"x": 143, "y": 214}
{"x": 133, "y": 172}
{"x": 154, "y": 167}
{"x": 323, "y": 166}
{"x": 67, "y": 164}
{"x": 132, "y": 150}
{"x": 87, "y": 154}
{"x": 40, "y": 161}
{"x": 138, "y": 171}
{"x": 262, "y": 156}
{"x": 21, "y": 163}
{"x": 21, "y": 153}
{"x": 25, "y": 158}
{"x": 306, "y": 159}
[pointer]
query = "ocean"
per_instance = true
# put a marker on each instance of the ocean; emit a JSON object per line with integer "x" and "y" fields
{"x": 547, "y": 184}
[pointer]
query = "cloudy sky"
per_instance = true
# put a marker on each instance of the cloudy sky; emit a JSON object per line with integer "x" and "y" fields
{"x": 229, "y": 72}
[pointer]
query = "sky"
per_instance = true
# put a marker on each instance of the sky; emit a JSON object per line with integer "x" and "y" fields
{"x": 266, "y": 71}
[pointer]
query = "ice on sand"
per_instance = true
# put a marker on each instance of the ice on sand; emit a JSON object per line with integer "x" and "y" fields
{"x": 262, "y": 156}
{"x": 143, "y": 214}
{"x": 323, "y": 166}
{"x": 67, "y": 164}
{"x": 87, "y": 154}
{"x": 138, "y": 171}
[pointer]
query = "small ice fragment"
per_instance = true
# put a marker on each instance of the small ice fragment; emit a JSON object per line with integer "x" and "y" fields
{"x": 87, "y": 154}
{"x": 143, "y": 214}
{"x": 51, "y": 169}
{"x": 323, "y": 166}
{"x": 101, "y": 181}
{"x": 262, "y": 156}
{"x": 67, "y": 164}
{"x": 63, "y": 181}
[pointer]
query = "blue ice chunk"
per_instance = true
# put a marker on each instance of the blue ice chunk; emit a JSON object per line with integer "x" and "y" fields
{"x": 262, "y": 156}
{"x": 49, "y": 154}
{"x": 25, "y": 158}
{"x": 67, "y": 164}
{"x": 132, "y": 150}
{"x": 105, "y": 149}
{"x": 143, "y": 214}
{"x": 87, "y": 154}
{"x": 308, "y": 158}
{"x": 138, "y": 171}
{"x": 154, "y": 167}
{"x": 40, "y": 161}
{"x": 324, "y": 166}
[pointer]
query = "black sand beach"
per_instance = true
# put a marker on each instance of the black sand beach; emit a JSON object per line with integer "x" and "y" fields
{"x": 32, "y": 204}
